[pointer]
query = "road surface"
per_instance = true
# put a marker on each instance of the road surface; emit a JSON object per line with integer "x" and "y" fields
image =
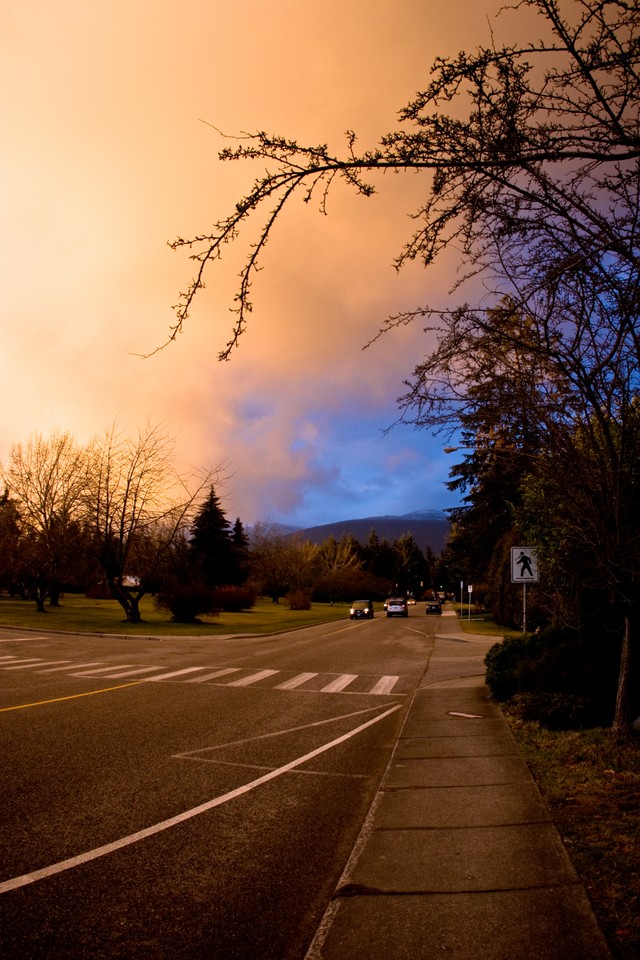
{"x": 191, "y": 798}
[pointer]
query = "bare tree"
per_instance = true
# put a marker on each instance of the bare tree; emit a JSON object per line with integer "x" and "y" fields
{"x": 531, "y": 156}
{"x": 47, "y": 478}
{"x": 139, "y": 507}
{"x": 542, "y": 141}
{"x": 279, "y": 562}
{"x": 335, "y": 562}
{"x": 549, "y": 399}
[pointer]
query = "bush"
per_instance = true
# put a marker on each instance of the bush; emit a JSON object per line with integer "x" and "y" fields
{"x": 556, "y": 711}
{"x": 557, "y": 666}
{"x": 235, "y": 599}
{"x": 298, "y": 600}
{"x": 186, "y": 601}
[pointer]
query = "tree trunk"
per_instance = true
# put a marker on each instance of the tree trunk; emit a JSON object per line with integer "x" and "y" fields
{"x": 621, "y": 717}
{"x": 134, "y": 609}
{"x": 129, "y": 602}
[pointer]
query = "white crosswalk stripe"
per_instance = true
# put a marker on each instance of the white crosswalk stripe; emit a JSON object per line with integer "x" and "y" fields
{"x": 76, "y": 666}
{"x": 339, "y": 684}
{"x": 214, "y": 676}
{"x": 175, "y": 673}
{"x": 29, "y": 661}
{"x": 304, "y": 682}
{"x": 131, "y": 673}
{"x": 39, "y": 663}
{"x": 252, "y": 678}
{"x": 295, "y": 682}
{"x": 106, "y": 670}
{"x": 384, "y": 685}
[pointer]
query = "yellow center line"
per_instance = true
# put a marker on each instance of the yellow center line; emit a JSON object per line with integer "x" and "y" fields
{"x": 74, "y": 696}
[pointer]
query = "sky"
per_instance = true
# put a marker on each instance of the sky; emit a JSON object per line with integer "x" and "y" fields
{"x": 109, "y": 116}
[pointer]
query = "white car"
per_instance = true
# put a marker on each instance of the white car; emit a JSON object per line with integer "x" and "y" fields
{"x": 397, "y": 607}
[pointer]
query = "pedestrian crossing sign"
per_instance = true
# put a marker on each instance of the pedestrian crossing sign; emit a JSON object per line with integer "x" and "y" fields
{"x": 524, "y": 565}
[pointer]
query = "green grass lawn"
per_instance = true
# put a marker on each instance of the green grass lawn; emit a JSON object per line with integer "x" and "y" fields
{"x": 482, "y": 623}
{"x": 79, "y": 614}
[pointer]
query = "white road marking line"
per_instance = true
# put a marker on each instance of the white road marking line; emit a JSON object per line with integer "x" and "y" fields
{"x": 176, "y": 673}
{"x": 28, "y": 661}
{"x": 44, "y": 663}
{"x": 340, "y": 683}
{"x": 195, "y": 754}
{"x": 253, "y": 678}
{"x": 296, "y": 681}
{"x": 107, "y": 848}
{"x": 114, "y": 666}
{"x": 384, "y": 685}
{"x": 214, "y": 675}
{"x": 76, "y": 666}
{"x": 20, "y": 639}
{"x": 131, "y": 673}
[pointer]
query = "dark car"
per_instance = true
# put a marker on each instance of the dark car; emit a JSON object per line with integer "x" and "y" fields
{"x": 433, "y": 608}
{"x": 397, "y": 607}
{"x": 361, "y": 610}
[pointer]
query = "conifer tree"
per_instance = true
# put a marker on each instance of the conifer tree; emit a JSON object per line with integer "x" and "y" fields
{"x": 240, "y": 542}
{"x": 213, "y": 555}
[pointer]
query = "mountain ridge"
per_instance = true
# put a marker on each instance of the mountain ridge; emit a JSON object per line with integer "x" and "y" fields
{"x": 429, "y": 528}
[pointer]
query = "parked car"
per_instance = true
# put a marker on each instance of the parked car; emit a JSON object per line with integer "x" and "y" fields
{"x": 433, "y": 608}
{"x": 397, "y": 607}
{"x": 361, "y": 610}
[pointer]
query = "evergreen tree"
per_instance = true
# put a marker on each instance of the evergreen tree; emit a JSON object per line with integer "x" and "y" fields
{"x": 379, "y": 557}
{"x": 9, "y": 541}
{"x": 213, "y": 554}
{"x": 240, "y": 542}
{"x": 410, "y": 565}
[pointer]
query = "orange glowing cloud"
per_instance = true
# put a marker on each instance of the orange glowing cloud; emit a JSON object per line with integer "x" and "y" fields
{"x": 106, "y": 157}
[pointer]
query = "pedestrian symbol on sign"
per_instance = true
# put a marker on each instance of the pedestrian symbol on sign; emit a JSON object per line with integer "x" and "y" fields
{"x": 524, "y": 565}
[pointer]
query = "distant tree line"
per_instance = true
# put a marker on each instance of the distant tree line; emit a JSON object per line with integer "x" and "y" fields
{"x": 113, "y": 518}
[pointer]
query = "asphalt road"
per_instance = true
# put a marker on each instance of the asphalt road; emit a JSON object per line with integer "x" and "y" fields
{"x": 191, "y": 798}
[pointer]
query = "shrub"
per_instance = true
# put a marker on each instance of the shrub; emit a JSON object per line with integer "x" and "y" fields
{"x": 235, "y": 599}
{"x": 298, "y": 600}
{"x": 556, "y": 711}
{"x": 577, "y": 668}
{"x": 186, "y": 601}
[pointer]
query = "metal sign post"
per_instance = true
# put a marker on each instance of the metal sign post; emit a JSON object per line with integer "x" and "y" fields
{"x": 524, "y": 570}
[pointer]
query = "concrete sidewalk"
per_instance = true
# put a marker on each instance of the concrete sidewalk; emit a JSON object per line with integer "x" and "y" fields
{"x": 458, "y": 858}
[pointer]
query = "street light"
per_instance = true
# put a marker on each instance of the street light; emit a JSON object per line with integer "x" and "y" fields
{"x": 482, "y": 442}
